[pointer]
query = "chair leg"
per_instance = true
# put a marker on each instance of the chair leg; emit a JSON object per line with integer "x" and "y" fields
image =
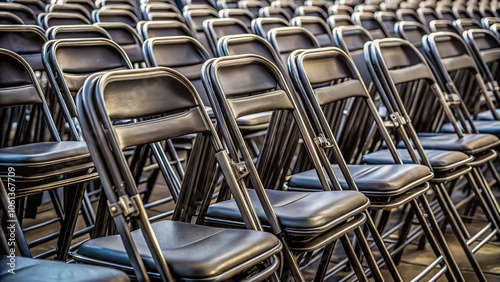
{"x": 324, "y": 262}
{"x": 353, "y": 259}
{"x": 72, "y": 203}
{"x": 405, "y": 230}
{"x": 370, "y": 259}
{"x": 485, "y": 199}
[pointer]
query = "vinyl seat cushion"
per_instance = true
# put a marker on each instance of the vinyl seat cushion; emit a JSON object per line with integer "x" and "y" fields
{"x": 482, "y": 126}
{"x": 36, "y": 270}
{"x": 487, "y": 115}
{"x": 469, "y": 144}
{"x": 439, "y": 159}
{"x": 192, "y": 251}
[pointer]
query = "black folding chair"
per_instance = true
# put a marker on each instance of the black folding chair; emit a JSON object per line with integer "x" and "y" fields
{"x": 68, "y": 8}
{"x": 114, "y": 16}
{"x": 37, "y": 6}
{"x": 274, "y": 12}
{"x": 317, "y": 27}
{"x": 127, "y": 38}
{"x": 194, "y": 20}
{"x": 171, "y": 249}
{"x": 368, "y": 21}
{"x": 408, "y": 15}
{"x": 26, "y": 41}
{"x": 466, "y": 24}
{"x": 10, "y": 18}
{"x": 339, "y": 20}
{"x": 251, "y": 6}
{"x": 33, "y": 156}
{"x": 459, "y": 12}
{"x": 76, "y": 31}
{"x": 216, "y": 28}
{"x": 24, "y": 13}
{"x": 474, "y": 13}
{"x": 339, "y": 9}
{"x": 426, "y": 15}
{"x": 445, "y": 13}
{"x": 241, "y": 14}
{"x": 310, "y": 11}
{"x": 51, "y": 19}
{"x": 261, "y": 26}
{"x": 151, "y": 29}
{"x": 487, "y": 22}
{"x": 443, "y": 25}
{"x": 297, "y": 235}
{"x": 285, "y": 40}
{"x": 288, "y": 6}
{"x": 388, "y": 20}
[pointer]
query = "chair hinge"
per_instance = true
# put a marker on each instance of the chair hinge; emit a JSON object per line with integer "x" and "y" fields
{"x": 453, "y": 99}
{"x": 240, "y": 169}
{"x": 126, "y": 205}
{"x": 322, "y": 141}
{"x": 396, "y": 120}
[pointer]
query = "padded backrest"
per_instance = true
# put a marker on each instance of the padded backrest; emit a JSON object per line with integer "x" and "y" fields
{"x": 442, "y": 25}
{"x": 427, "y": 15}
{"x": 339, "y": 20}
{"x": 352, "y": 39}
{"x": 23, "y": 12}
{"x": 10, "y": 18}
{"x": 182, "y": 53}
{"x": 275, "y": 12}
{"x": 243, "y": 15}
{"x": 76, "y": 31}
{"x": 261, "y": 26}
{"x": 285, "y": 40}
{"x": 368, "y": 21}
{"x": 216, "y": 28}
{"x": 157, "y": 116}
{"x": 149, "y": 29}
{"x": 317, "y": 27}
{"x": 128, "y": 39}
{"x": 56, "y": 19}
{"x": 25, "y": 40}
{"x": 388, "y": 20}
{"x": 115, "y": 16}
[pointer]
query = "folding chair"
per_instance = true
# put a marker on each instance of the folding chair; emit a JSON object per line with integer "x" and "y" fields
{"x": 150, "y": 29}
{"x": 319, "y": 94}
{"x": 128, "y": 39}
{"x": 25, "y": 268}
{"x": 51, "y": 19}
{"x": 76, "y": 31}
{"x": 37, "y": 6}
{"x": 474, "y": 13}
{"x": 267, "y": 12}
{"x": 288, "y": 6}
{"x": 194, "y": 20}
{"x": 227, "y": 4}
{"x": 102, "y": 3}
{"x": 460, "y": 12}
{"x": 317, "y": 27}
{"x": 157, "y": 7}
{"x": 388, "y": 20}
{"x": 114, "y": 16}
{"x": 445, "y": 13}
{"x": 466, "y": 24}
{"x": 261, "y": 26}
{"x": 368, "y": 21}
{"x": 318, "y": 3}
{"x": 10, "y": 18}
{"x": 443, "y": 25}
{"x": 68, "y": 8}
{"x": 252, "y": 6}
{"x": 171, "y": 249}
{"x": 310, "y": 11}
{"x": 412, "y": 32}
{"x": 23, "y": 12}
{"x": 426, "y": 15}
{"x": 339, "y": 20}
{"x": 33, "y": 156}
{"x": 26, "y": 41}
{"x": 408, "y": 15}
{"x": 486, "y": 11}
{"x": 297, "y": 235}
{"x": 338, "y": 9}
{"x": 366, "y": 8}
{"x": 243, "y": 15}
{"x": 216, "y": 28}
{"x": 486, "y": 22}
{"x": 87, "y": 4}
{"x": 285, "y": 40}
{"x": 122, "y": 7}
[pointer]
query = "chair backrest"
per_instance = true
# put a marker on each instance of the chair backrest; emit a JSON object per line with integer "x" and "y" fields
{"x": 252, "y": 6}
{"x": 311, "y": 11}
{"x": 352, "y": 39}
{"x": 466, "y": 24}
{"x": 157, "y": 7}
{"x": 15, "y": 104}
{"x": 427, "y": 15}
{"x": 128, "y": 39}
{"x": 339, "y": 20}
{"x": 486, "y": 11}
{"x": 388, "y": 20}
{"x": 55, "y": 19}
{"x": 24, "y": 13}
{"x": 442, "y": 25}
{"x": 261, "y": 26}
{"x": 151, "y": 29}
{"x": 25, "y": 40}
{"x": 474, "y": 13}
{"x": 10, "y": 18}
{"x": 194, "y": 20}
{"x": 216, "y": 28}
{"x": 408, "y": 15}
{"x": 87, "y": 4}
{"x": 243, "y": 15}
{"x": 184, "y": 54}
{"x": 318, "y": 3}
{"x": 69, "y": 62}
{"x": 457, "y": 68}
{"x": 285, "y": 40}
{"x": 68, "y": 8}
{"x": 445, "y": 13}
{"x": 339, "y": 9}
{"x": 317, "y": 27}
{"x": 288, "y": 6}
{"x": 37, "y": 6}
{"x": 413, "y": 32}
{"x": 460, "y": 12}
{"x": 486, "y": 22}
{"x": 274, "y": 12}
{"x": 114, "y": 16}
{"x": 76, "y": 31}
{"x": 121, "y": 7}
{"x": 368, "y": 21}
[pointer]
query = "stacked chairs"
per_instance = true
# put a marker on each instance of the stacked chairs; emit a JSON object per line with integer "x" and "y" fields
{"x": 261, "y": 26}
{"x": 297, "y": 232}
{"x": 35, "y": 156}
{"x": 389, "y": 65}
{"x": 164, "y": 250}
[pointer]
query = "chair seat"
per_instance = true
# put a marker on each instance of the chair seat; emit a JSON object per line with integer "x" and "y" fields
{"x": 379, "y": 180}
{"x": 482, "y": 126}
{"x": 192, "y": 251}
{"x": 439, "y": 159}
{"x": 27, "y": 269}
{"x": 319, "y": 211}
{"x": 470, "y": 144}
{"x": 256, "y": 121}
{"x": 45, "y": 159}
{"x": 487, "y": 115}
